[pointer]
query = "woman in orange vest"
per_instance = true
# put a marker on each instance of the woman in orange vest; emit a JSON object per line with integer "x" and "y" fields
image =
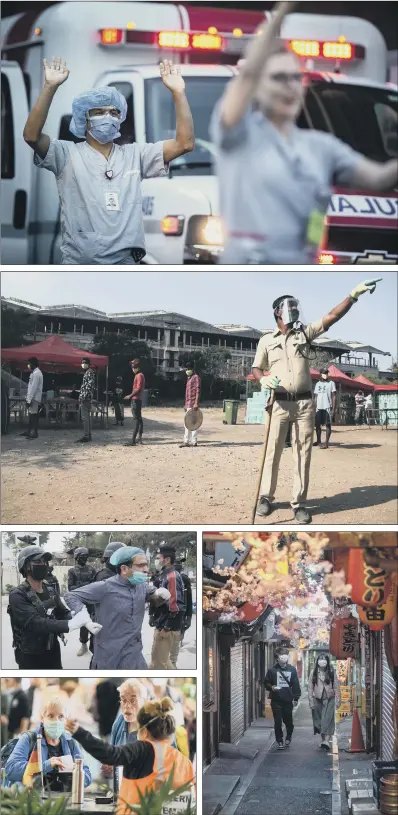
{"x": 148, "y": 762}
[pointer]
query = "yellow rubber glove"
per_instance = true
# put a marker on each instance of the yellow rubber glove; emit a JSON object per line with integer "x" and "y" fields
{"x": 362, "y": 288}
{"x": 269, "y": 382}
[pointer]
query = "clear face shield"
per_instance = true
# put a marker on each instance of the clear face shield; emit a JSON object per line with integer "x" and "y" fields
{"x": 290, "y": 311}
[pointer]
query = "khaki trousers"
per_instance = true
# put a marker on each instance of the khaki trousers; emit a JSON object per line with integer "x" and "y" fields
{"x": 162, "y": 648}
{"x": 301, "y": 414}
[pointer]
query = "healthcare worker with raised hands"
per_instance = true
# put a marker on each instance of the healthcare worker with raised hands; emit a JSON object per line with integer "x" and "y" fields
{"x": 286, "y": 354}
{"x": 276, "y": 178}
{"x": 99, "y": 181}
{"x": 119, "y": 607}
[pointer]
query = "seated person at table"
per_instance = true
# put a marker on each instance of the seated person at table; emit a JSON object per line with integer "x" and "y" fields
{"x": 146, "y": 762}
{"x": 57, "y": 747}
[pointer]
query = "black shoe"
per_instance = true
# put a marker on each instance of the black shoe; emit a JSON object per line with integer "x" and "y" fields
{"x": 83, "y": 440}
{"x": 264, "y": 506}
{"x": 302, "y": 515}
{"x": 288, "y": 444}
{"x": 288, "y": 742}
{"x": 32, "y": 436}
{"x": 316, "y": 444}
{"x": 281, "y": 745}
{"x": 184, "y": 444}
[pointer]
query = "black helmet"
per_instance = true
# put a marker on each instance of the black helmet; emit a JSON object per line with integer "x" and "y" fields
{"x": 112, "y": 547}
{"x": 29, "y": 552}
{"x": 81, "y": 550}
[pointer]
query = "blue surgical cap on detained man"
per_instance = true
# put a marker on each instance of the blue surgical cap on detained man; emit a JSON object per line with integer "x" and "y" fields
{"x": 96, "y": 98}
{"x": 125, "y": 554}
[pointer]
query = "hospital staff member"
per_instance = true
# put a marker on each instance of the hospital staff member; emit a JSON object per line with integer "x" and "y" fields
{"x": 120, "y": 607}
{"x": 275, "y": 178}
{"x": 99, "y": 181}
{"x": 285, "y": 353}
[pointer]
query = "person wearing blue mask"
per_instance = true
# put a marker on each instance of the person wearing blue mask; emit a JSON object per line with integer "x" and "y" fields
{"x": 56, "y": 746}
{"x": 119, "y": 608}
{"x": 99, "y": 181}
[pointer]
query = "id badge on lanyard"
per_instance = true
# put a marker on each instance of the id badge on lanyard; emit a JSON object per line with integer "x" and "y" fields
{"x": 112, "y": 202}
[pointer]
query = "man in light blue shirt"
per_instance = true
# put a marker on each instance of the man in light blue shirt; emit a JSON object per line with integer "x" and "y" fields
{"x": 325, "y": 400}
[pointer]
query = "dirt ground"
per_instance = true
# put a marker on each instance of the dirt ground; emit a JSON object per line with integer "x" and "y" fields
{"x": 53, "y": 480}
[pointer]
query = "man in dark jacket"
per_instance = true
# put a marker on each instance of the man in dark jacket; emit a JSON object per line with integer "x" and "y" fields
{"x": 80, "y": 575}
{"x": 283, "y": 684}
{"x": 169, "y": 623}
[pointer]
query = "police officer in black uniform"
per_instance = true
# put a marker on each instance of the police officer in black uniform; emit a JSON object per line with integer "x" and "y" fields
{"x": 38, "y": 614}
{"x": 80, "y": 575}
{"x": 108, "y": 570}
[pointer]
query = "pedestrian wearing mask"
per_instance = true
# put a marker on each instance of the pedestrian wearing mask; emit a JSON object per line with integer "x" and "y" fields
{"x": 325, "y": 407}
{"x": 86, "y": 396}
{"x": 274, "y": 209}
{"x": 283, "y": 684}
{"x": 35, "y": 632}
{"x": 119, "y": 609}
{"x": 33, "y": 398}
{"x": 169, "y": 621}
{"x": 192, "y": 396}
{"x": 136, "y": 397}
{"x": 285, "y": 353}
{"x": 99, "y": 182}
{"x": 147, "y": 762}
{"x": 81, "y": 575}
{"x": 324, "y": 697}
{"x": 23, "y": 764}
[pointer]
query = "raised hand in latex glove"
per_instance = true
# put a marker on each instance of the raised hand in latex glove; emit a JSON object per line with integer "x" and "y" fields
{"x": 164, "y": 593}
{"x": 93, "y": 627}
{"x": 367, "y": 285}
{"x": 81, "y": 618}
{"x": 270, "y": 381}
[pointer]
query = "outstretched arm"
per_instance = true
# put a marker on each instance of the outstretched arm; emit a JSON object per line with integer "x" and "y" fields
{"x": 184, "y": 141}
{"x": 375, "y": 175}
{"x": 336, "y": 313}
{"x": 239, "y": 93}
{"x": 55, "y": 74}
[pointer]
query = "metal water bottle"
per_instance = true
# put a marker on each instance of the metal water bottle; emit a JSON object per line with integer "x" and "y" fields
{"x": 78, "y": 782}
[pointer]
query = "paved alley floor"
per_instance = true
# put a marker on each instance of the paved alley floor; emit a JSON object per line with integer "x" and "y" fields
{"x": 297, "y": 780}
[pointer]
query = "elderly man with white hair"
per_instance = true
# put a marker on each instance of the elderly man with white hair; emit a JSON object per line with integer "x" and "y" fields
{"x": 59, "y": 751}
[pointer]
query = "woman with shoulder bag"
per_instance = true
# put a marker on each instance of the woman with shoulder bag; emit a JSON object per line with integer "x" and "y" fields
{"x": 324, "y": 697}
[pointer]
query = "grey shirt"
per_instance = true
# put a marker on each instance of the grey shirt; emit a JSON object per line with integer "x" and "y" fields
{"x": 101, "y": 218}
{"x": 120, "y": 609}
{"x": 269, "y": 186}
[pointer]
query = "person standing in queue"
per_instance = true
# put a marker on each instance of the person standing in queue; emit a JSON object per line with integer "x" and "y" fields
{"x": 33, "y": 398}
{"x": 274, "y": 210}
{"x": 86, "y": 396}
{"x": 192, "y": 396}
{"x": 147, "y": 762}
{"x": 325, "y": 407}
{"x": 283, "y": 685}
{"x": 81, "y": 575}
{"x": 286, "y": 353}
{"x": 169, "y": 621}
{"x": 99, "y": 182}
{"x": 136, "y": 396}
{"x": 117, "y": 398}
{"x": 323, "y": 697}
{"x": 119, "y": 609}
{"x": 35, "y": 633}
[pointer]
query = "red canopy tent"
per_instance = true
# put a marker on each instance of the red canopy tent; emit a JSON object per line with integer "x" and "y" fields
{"x": 54, "y": 354}
{"x": 362, "y": 380}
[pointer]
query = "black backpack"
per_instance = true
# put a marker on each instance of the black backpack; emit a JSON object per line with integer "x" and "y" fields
{"x": 8, "y": 748}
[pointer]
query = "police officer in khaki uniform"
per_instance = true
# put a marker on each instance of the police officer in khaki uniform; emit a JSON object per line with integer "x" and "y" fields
{"x": 285, "y": 354}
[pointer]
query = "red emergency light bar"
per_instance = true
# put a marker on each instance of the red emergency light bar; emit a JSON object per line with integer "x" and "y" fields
{"x": 326, "y": 50}
{"x": 175, "y": 40}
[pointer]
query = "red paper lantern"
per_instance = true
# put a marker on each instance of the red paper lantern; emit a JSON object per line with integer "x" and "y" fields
{"x": 377, "y": 618}
{"x": 370, "y": 584}
{"x": 343, "y": 637}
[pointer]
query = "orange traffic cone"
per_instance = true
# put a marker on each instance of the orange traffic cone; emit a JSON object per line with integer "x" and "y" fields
{"x": 357, "y": 742}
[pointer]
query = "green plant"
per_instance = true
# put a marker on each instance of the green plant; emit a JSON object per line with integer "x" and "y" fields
{"x": 30, "y": 802}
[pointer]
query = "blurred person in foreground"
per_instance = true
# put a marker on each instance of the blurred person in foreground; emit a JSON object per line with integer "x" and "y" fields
{"x": 146, "y": 762}
{"x": 23, "y": 764}
{"x": 18, "y": 708}
{"x": 81, "y": 575}
{"x": 119, "y": 609}
{"x": 99, "y": 182}
{"x": 276, "y": 178}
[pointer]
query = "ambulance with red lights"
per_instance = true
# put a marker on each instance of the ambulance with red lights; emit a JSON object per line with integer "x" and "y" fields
{"x": 121, "y": 44}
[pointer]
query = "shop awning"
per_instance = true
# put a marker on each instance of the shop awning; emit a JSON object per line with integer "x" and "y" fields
{"x": 362, "y": 380}
{"x": 54, "y": 354}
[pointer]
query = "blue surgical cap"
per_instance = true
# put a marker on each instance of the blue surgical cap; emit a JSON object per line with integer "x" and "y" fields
{"x": 96, "y": 98}
{"x": 125, "y": 554}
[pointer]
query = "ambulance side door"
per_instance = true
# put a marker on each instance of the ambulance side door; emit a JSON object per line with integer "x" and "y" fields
{"x": 16, "y": 167}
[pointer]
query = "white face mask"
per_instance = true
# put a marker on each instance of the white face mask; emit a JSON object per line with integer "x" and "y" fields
{"x": 322, "y": 663}
{"x": 283, "y": 659}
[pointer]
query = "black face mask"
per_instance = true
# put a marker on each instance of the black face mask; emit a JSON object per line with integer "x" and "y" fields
{"x": 39, "y": 571}
{"x": 82, "y": 561}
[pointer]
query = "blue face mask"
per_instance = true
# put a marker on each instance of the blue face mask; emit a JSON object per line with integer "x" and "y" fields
{"x": 54, "y": 729}
{"x": 104, "y": 128}
{"x": 138, "y": 578}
